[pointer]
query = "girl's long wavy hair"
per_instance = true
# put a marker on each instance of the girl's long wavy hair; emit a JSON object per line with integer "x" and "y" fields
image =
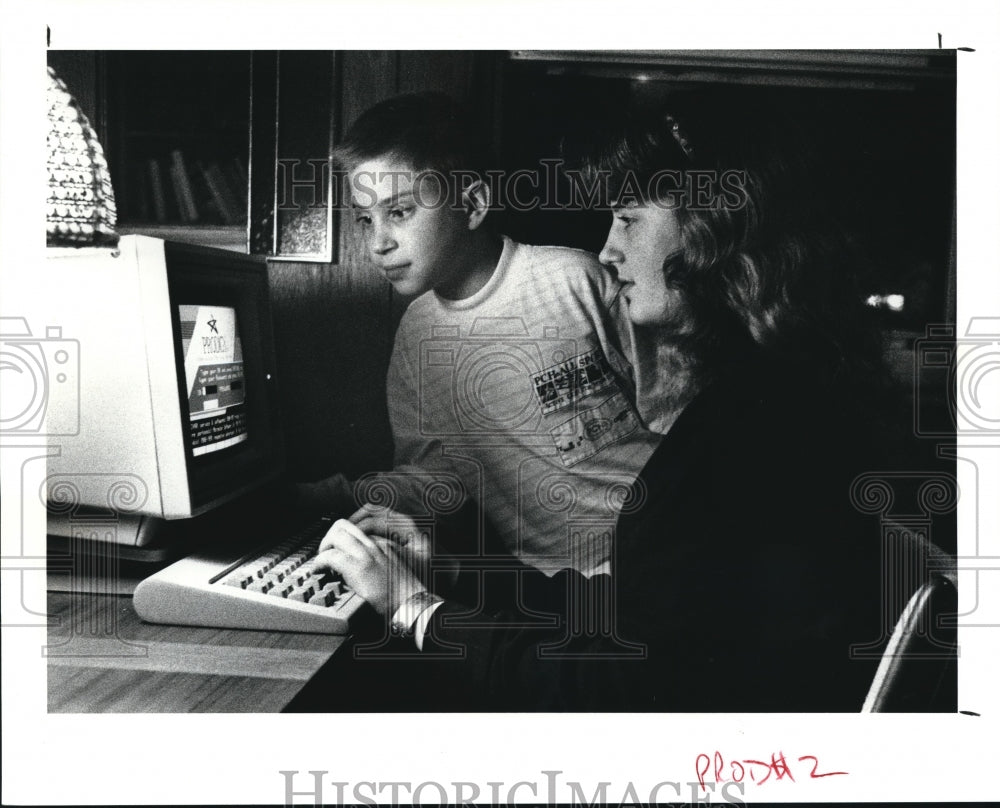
{"x": 764, "y": 265}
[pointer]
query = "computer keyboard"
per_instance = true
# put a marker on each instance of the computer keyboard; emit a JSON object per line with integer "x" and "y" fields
{"x": 273, "y": 588}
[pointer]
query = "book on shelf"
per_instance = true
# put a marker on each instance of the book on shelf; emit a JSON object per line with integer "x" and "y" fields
{"x": 222, "y": 197}
{"x": 182, "y": 186}
{"x": 172, "y": 189}
{"x": 157, "y": 190}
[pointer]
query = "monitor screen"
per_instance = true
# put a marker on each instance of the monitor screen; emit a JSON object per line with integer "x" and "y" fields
{"x": 216, "y": 383}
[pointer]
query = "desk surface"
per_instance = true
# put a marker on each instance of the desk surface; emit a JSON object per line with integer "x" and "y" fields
{"x": 103, "y": 659}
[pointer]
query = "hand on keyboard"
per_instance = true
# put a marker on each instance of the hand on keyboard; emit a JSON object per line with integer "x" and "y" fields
{"x": 411, "y": 540}
{"x": 277, "y": 588}
{"x": 375, "y": 568}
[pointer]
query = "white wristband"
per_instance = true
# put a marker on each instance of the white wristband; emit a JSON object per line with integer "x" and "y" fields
{"x": 423, "y": 621}
{"x": 406, "y": 615}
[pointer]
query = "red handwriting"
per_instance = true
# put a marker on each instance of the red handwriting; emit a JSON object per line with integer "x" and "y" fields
{"x": 756, "y": 771}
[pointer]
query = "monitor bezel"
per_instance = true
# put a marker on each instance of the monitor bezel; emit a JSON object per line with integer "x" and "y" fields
{"x": 207, "y": 276}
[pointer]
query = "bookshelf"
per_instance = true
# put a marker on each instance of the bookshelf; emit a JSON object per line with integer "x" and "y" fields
{"x": 177, "y": 136}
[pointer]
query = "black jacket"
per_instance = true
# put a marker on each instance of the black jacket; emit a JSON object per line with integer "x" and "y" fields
{"x": 741, "y": 574}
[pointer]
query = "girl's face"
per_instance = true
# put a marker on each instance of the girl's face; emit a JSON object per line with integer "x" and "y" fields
{"x": 642, "y": 237}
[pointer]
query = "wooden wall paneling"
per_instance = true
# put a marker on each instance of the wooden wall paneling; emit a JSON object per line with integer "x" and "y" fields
{"x": 449, "y": 72}
{"x": 331, "y": 344}
{"x": 470, "y": 77}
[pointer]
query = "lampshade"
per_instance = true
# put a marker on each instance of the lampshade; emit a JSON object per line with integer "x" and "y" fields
{"x": 81, "y": 202}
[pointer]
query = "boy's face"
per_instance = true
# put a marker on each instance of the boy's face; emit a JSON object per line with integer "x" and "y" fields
{"x": 409, "y": 223}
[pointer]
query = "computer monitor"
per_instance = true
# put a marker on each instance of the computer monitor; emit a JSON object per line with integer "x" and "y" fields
{"x": 165, "y": 404}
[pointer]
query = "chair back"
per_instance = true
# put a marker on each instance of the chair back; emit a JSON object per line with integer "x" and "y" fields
{"x": 918, "y": 669}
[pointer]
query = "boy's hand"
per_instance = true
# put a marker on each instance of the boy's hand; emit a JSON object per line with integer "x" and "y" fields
{"x": 411, "y": 541}
{"x": 393, "y": 525}
{"x": 374, "y": 569}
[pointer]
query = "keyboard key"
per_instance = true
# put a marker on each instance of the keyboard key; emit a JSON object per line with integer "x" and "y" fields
{"x": 302, "y": 594}
{"x": 326, "y": 597}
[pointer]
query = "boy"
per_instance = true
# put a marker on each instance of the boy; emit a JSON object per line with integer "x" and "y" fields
{"x": 514, "y": 374}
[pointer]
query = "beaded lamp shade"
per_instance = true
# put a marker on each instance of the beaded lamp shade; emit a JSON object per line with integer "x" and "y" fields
{"x": 81, "y": 202}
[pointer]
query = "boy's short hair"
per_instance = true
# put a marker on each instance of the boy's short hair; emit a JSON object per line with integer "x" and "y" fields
{"x": 428, "y": 131}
